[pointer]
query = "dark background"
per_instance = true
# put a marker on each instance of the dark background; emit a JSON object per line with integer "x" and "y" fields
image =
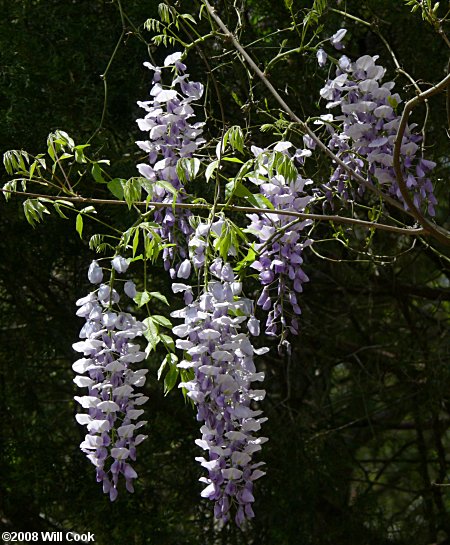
{"x": 358, "y": 415}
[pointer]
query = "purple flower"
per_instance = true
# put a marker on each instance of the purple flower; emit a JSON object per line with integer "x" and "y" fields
{"x": 321, "y": 57}
{"x": 120, "y": 264}
{"x": 336, "y": 39}
{"x": 218, "y": 351}
{"x": 365, "y": 141}
{"x": 184, "y": 270}
{"x": 95, "y": 273}
{"x": 171, "y": 136}
{"x": 130, "y": 289}
{"x": 106, "y": 370}
{"x": 280, "y": 241}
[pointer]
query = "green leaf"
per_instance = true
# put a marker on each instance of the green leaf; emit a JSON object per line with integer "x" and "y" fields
{"x": 62, "y": 138}
{"x": 187, "y": 169}
{"x": 34, "y": 211}
{"x": 164, "y": 13}
{"x": 224, "y": 245}
{"x": 236, "y": 138}
{"x": 135, "y": 242}
{"x": 267, "y": 127}
{"x": 32, "y": 169}
{"x": 248, "y": 259}
{"x": 392, "y": 102}
{"x": 167, "y": 186}
{"x": 88, "y": 210}
{"x": 168, "y": 342}
{"x": 161, "y": 320}
{"x": 210, "y": 170}
{"x": 14, "y": 161}
{"x": 95, "y": 241}
{"x": 284, "y": 166}
{"x": 188, "y": 17}
{"x": 170, "y": 379}
{"x": 79, "y": 225}
{"x": 232, "y": 160}
{"x": 236, "y": 99}
{"x": 115, "y": 186}
{"x": 163, "y": 365}
{"x": 97, "y": 174}
{"x": 151, "y": 333}
{"x": 153, "y": 25}
{"x": 132, "y": 191}
{"x": 57, "y": 207}
{"x": 142, "y": 298}
{"x": 11, "y": 187}
{"x": 79, "y": 153}
{"x": 259, "y": 201}
{"x": 159, "y": 296}
{"x": 238, "y": 189}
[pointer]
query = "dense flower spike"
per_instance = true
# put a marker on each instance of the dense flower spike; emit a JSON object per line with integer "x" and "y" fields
{"x": 220, "y": 354}
{"x": 105, "y": 370}
{"x": 171, "y": 137}
{"x": 280, "y": 240}
{"x": 370, "y": 122}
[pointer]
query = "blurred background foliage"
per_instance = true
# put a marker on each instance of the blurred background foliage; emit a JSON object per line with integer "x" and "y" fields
{"x": 359, "y": 414}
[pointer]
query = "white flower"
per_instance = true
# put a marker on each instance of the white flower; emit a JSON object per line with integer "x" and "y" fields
{"x": 321, "y": 57}
{"x": 95, "y": 273}
{"x": 120, "y": 264}
{"x": 337, "y": 38}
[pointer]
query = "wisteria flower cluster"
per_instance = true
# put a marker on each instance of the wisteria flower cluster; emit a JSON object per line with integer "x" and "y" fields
{"x": 218, "y": 365}
{"x": 215, "y": 340}
{"x": 280, "y": 241}
{"x": 106, "y": 371}
{"x": 171, "y": 136}
{"x": 370, "y": 122}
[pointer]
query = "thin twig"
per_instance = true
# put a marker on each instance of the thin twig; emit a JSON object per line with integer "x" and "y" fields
{"x": 294, "y": 117}
{"x": 437, "y": 232}
{"x": 447, "y": 102}
{"x": 232, "y": 208}
{"x": 105, "y": 73}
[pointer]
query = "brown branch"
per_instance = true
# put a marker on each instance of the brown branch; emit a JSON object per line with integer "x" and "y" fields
{"x": 437, "y": 232}
{"x": 232, "y": 208}
{"x": 293, "y": 116}
{"x": 447, "y": 101}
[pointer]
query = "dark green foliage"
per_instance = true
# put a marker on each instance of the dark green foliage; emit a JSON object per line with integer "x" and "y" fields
{"x": 358, "y": 415}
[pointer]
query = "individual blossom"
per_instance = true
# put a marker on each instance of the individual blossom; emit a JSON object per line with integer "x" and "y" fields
{"x": 130, "y": 289}
{"x": 280, "y": 240}
{"x": 120, "y": 264}
{"x": 369, "y": 120}
{"x": 107, "y": 372}
{"x": 95, "y": 273}
{"x": 171, "y": 135}
{"x": 217, "y": 349}
{"x": 336, "y": 39}
{"x": 321, "y": 57}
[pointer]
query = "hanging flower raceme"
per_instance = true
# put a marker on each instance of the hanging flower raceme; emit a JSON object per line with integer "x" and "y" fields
{"x": 106, "y": 371}
{"x": 218, "y": 350}
{"x": 370, "y": 121}
{"x": 171, "y": 137}
{"x": 280, "y": 240}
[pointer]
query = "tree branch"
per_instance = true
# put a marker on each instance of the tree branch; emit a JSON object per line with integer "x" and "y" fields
{"x": 439, "y": 233}
{"x": 231, "y": 208}
{"x": 293, "y": 116}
